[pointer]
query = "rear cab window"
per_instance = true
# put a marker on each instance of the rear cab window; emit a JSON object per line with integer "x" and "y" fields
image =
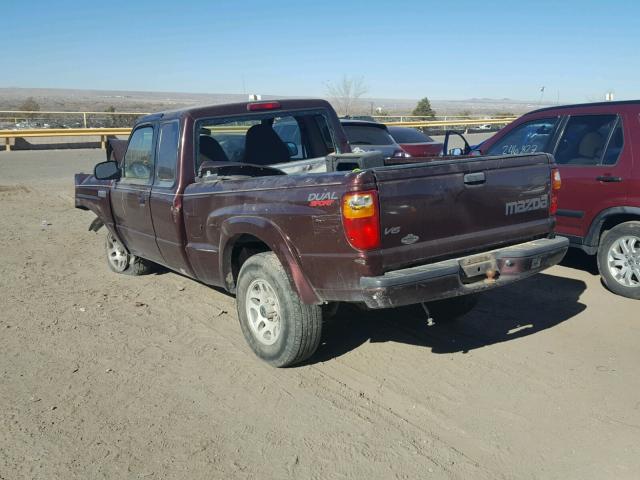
{"x": 285, "y": 139}
{"x": 530, "y": 137}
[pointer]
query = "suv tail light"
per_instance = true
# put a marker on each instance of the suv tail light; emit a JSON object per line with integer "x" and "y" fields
{"x": 361, "y": 219}
{"x": 556, "y": 183}
{"x": 400, "y": 153}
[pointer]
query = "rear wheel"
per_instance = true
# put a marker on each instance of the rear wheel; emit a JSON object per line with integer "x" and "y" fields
{"x": 121, "y": 261}
{"x": 619, "y": 259}
{"x": 278, "y": 327}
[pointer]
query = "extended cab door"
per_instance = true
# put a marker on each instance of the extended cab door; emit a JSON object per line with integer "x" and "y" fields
{"x": 595, "y": 165}
{"x": 166, "y": 201}
{"x": 130, "y": 195}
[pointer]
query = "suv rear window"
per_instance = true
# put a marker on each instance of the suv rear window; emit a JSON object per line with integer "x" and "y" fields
{"x": 585, "y": 138}
{"x": 367, "y": 135}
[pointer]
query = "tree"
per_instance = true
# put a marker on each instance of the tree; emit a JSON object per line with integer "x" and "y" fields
{"x": 115, "y": 121}
{"x": 423, "y": 109}
{"x": 346, "y": 93}
{"x": 30, "y": 105}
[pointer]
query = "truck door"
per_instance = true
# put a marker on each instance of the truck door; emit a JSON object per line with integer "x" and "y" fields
{"x": 130, "y": 195}
{"x": 165, "y": 201}
{"x": 594, "y": 162}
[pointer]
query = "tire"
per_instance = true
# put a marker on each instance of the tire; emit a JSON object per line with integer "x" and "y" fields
{"x": 121, "y": 261}
{"x": 619, "y": 259}
{"x": 278, "y": 327}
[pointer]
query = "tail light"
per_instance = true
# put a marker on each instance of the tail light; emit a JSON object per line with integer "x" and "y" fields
{"x": 400, "y": 153}
{"x": 556, "y": 183}
{"x": 253, "y": 107}
{"x": 361, "y": 219}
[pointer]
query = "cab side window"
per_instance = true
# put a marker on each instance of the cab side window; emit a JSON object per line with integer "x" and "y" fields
{"x": 531, "y": 137}
{"x": 584, "y": 141}
{"x": 167, "y": 156}
{"x": 139, "y": 159}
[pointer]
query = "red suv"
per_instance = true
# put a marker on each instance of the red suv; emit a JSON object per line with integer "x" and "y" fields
{"x": 597, "y": 147}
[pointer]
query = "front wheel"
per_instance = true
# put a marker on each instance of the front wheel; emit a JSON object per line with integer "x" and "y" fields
{"x": 121, "y": 261}
{"x": 278, "y": 327}
{"x": 619, "y": 259}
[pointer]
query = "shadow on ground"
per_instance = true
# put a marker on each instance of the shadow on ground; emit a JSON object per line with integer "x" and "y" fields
{"x": 579, "y": 260}
{"x": 501, "y": 315}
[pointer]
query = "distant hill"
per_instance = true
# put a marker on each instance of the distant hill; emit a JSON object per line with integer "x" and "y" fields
{"x": 132, "y": 101}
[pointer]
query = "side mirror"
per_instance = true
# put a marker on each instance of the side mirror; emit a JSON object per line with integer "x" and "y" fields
{"x": 293, "y": 149}
{"x": 445, "y": 146}
{"x": 107, "y": 171}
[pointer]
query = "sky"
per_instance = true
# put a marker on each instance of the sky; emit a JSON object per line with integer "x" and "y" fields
{"x": 578, "y": 50}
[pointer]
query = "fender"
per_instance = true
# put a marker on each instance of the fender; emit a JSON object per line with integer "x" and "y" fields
{"x": 272, "y": 236}
{"x": 592, "y": 239}
{"x": 95, "y": 195}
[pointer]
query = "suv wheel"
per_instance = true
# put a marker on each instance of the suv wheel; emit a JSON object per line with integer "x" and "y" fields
{"x": 619, "y": 259}
{"x": 278, "y": 327}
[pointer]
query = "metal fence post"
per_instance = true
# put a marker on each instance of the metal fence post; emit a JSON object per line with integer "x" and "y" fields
{"x": 84, "y": 118}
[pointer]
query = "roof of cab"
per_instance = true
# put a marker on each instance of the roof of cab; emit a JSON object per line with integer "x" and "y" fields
{"x": 203, "y": 111}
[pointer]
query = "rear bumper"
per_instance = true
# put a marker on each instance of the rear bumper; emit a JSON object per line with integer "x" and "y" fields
{"x": 464, "y": 275}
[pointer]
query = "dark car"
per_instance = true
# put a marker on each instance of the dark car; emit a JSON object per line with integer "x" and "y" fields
{"x": 372, "y": 136}
{"x": 414, "y": 142}
{"x": 597, "y": 149}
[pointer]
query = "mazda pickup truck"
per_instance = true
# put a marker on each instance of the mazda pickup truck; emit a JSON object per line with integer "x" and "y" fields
{"x": 266, "y": 200}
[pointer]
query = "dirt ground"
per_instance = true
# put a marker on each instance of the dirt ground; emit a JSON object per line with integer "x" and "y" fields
{"x": 110, "y": 376}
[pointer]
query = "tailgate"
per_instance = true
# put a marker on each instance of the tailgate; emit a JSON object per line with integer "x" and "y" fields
{"x": 446, "y": 208}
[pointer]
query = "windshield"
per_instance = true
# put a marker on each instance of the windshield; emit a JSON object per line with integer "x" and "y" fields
{"x": 365, "y": 135}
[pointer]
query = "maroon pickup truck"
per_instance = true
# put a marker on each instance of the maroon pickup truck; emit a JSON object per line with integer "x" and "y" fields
{"x": 265, "y": 200}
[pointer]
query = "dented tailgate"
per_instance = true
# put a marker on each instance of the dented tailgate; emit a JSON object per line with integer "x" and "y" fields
{"x": 446, "y": 208}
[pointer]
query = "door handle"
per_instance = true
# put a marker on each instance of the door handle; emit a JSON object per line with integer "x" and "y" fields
{"x": 142, "y": 199}
{"x": 474, "y": 178}
{"x": 608, "y": 179}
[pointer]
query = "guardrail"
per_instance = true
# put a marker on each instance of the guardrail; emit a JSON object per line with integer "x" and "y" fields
{"x": 59, "y": 119}
{"x": 103, "y": 133}
{"x": 452, "y": 123}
